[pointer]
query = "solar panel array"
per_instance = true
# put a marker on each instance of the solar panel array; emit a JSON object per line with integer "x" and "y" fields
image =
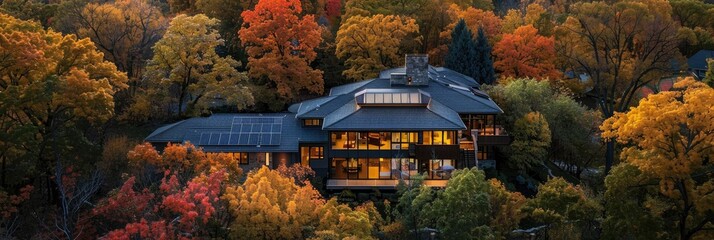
{"x": 252, "y": 131}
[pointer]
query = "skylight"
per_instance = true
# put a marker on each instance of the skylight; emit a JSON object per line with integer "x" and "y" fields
{"x": 391, "y": 97}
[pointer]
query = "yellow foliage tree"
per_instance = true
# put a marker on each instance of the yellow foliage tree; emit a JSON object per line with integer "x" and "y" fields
{"x": 670, "y": 136}
{"x": 372, "y": 44}
{"x": 269, "y": 205}
{"x": 188, "y": 75}
{"x": 50, "y": 83}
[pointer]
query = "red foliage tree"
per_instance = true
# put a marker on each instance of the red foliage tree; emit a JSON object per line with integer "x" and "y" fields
{"x": 524, "y": 53}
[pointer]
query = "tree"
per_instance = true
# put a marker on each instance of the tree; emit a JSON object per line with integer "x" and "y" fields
{"x": 372, "y": 44}
{"x": 506, "y": 209}
{"x": 692, "y": 13}
{"x": 184, "y": 160}
{"x": 188, "y": 75}
{"x": 709, "y": 77}
{"x": 670, "y": 139}
{"x": 29, "y": 10}
{"x": 531, "y": 139}
{"x": 526, "y": 54}
{"x": 597, "y": 39}
{"x": 462, "y": 56}
{"x": 175, "y": 209}
{"x": 475, "y": 19}
{"x": 281, "y": 45}
{"x": 511, "y": 21}
{"x": 572, "y": 126}
{"x": 51, "y": 87}
{"x": 564, "y": 207}
{"x": 269, "y": 206}
{"x": 462, "y": 210}
{"x": 124, "y": 31}
{"x": 485, "y": 73}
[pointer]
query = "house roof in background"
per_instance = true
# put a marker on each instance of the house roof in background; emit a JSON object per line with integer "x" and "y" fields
{"x": 699, "y": 59}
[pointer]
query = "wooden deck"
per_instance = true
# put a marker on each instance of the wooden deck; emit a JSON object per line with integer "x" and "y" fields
{"x": 379, "y": 184}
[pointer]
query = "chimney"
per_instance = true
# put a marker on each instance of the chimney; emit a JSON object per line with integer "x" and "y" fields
{"x": 417, "y": 71}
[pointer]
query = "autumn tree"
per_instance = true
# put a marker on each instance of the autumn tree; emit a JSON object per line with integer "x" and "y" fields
{"x": 184, "y": 160}
{"x": 511, "y": 21}
{"x": 175, "y": 208}
{"x": 188, "y": 76}
{"x": 38, "y": 10}
{"x": 431, "y": 16}
{"x": 51, "y": 87}
{"x": 123, "y": 30}
{"x": 526, "y": 54}
{"x": 669, "y": 139}
{"x": 621, "y": 47}
{"x": 281, "y": 45}
{"x": 270, "y": 206}
{"x": 372, "y": 44}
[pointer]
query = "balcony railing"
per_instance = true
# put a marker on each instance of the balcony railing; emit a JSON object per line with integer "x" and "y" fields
{"x": 375, "y": 183}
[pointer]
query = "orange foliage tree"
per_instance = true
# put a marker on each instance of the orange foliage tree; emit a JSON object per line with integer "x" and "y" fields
{"x": 281, "y": 45}
{"x": 526, "y": 54}
{"x": 183, "y": 158}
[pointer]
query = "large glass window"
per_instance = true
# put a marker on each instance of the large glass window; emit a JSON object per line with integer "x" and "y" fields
{"x": 440, "y": 168}
{"x": 372, "y": 140}
{"x": 308, "y": 153}
{"x": 438, "y": 137}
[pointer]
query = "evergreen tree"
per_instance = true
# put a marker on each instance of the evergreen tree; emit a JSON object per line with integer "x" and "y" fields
{"x": 461, "y": 56}
{"x": 484, "y": 62}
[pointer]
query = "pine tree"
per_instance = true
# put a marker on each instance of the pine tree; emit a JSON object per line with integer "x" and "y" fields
{"x": 461, "y": 56}
{"x": 484, "y": 62}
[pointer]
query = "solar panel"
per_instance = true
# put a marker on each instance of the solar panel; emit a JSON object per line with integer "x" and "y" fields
{"x": 214, "y": 138}
{"x": 205, "y": 137}
{"x": 256, "y": 131}
{"x": 224, "y": 139}
{"x": 234, "y": 139}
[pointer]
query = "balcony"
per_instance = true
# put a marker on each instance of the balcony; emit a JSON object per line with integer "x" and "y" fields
{"x": 378, "y": 184}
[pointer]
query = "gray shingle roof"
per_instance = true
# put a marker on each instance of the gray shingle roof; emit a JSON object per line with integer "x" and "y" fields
{"x": 699, "y": 59}
{"x": 190, "y": 130}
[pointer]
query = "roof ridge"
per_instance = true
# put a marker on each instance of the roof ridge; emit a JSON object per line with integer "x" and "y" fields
{"x": 167, "y": 127}
{"x": 437, "y": 114}
{"x": 343, "y": 118}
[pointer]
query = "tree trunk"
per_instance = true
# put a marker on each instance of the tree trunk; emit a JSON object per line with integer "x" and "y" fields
{"x": 609, "y": 155}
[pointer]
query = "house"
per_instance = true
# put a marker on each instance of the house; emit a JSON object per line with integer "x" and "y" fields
{"x": 368, "y": 134}
{"x": 698, "y": 63}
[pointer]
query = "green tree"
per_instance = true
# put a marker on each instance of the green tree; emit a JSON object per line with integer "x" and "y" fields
{"x": 572, "y": 125}
{"x": 462, "y": 56}
{"x": 709, "y": 78}
{"x": 565, "y": 208}
{"x": 485, "y": 73}
{"x": 186, "y": 73}
{"x": 531, "y": 139}
{"x": 463, "y": 209}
